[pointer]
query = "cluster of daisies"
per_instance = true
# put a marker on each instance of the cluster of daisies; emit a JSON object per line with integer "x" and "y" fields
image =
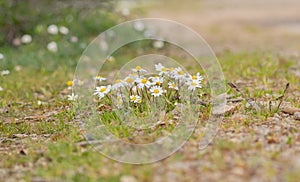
{"x": 136, "y": 87}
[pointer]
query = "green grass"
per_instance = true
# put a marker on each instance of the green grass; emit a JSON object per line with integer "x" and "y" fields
{"x": 44, "y": 76}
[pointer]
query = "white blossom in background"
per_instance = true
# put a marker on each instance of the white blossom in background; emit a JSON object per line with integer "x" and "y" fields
{"x": 72, "y": 97}
{"x": 158, "y": 44}
{"x": 64, "y": 30}
{"x": 139, "y": 26}
{"x": 161, "y": 69}
{"x": 18, "y": 68}
{"x": 16, "y": 42}
{"x": 5, "y": 72}
{"x": 74, "y": 39}
{"x": 118, "y": 84}
{"x": 26, "y": 39}
{"x": 1, "y": 89}
{"x": 52, "y": 47}
{"x": 1, "y": 56}
{"x": 52, "y": 29}
{"x": 125, "y": 12}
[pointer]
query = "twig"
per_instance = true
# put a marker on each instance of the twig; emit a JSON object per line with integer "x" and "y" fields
{"x": 282, "y": 96}
{"x": 232, "y": 85}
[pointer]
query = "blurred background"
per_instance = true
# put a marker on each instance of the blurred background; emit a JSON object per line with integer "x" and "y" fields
{"x": 227, "y": 25}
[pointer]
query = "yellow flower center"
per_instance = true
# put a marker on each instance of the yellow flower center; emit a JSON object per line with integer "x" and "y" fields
{"x": 138, "y": 68}
{"x": 133, "y": 98}
{"x": 103, "y": 89}
{"x": 118, "y": 81}
{"x": 164, "y": 69}
{"x": 129, "y": 80}
{"x": 158, "y": 83}
{"x": 144, "y": 81}
{"x": 194, "y": 77}
{"x": 99, "y": 77}
{"x": 180, "y": 72}
{"x": 69, "y": 83}
{"x": 156, "y": 91}
{"x": 193, "y": 83}
{"x": 173, "y": 85}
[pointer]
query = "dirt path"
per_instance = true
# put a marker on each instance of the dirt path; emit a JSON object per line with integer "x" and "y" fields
{"x": 238, "y": 25}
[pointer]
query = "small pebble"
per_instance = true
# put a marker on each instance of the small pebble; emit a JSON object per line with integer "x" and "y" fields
{"x": 297, "y": 115}
{"x": 127, "y": 178}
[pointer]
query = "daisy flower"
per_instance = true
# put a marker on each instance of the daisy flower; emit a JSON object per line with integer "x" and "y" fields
{"x": 171, "y": 72}
{"x": 178, "y": 73}
{"x": 161, "y": 69}
{"x": 5, "y": 72}
{"x": 99, "y": 78}
{"x": 52, "y": 47}
{"x": 26, "y": 39}
{"x": 157, "y": 80}
{"x": 158, "y": 44}
{"x": 143, "y": 82}
{"x": 52, "y": 29}
{"x": 196, "y": 77}
{"x": 72, "y": 97}
{"x": 135, "y": 99}
{"x": 125, "y": 12}
{"x": 70, "y": 84}
{"x": 156, "y": 91}
{"x": 119, "y": 100}
{"x": 102, "y": 91}
{"x": 118, "y": 84}
{"x": 138, "y": 69}
{"x": 192, "y": 85}
{"x": 129, "y": 80}
{"x": 172, "y": 85}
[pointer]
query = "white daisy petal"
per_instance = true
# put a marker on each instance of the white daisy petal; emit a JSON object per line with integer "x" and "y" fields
{"x": 156, "y": 91}
{"x": 135, "y": 99}
{"x": 72, "y": 97}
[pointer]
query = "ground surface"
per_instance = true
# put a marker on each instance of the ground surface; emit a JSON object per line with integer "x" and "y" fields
{"x": 258, "y": 49}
